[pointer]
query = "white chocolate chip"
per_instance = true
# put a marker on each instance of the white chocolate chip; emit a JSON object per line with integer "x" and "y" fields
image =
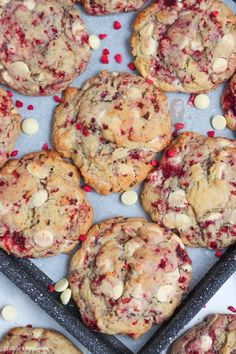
{"x": 201, "y": 101}
{"x": 18, "y": 69}
{"x": 37, "y": 332}
{"x": 187, "y": 267}
{"x": 65, "y": 296}
{"x": 38, "y": 198}
{"x": 149, "y": 46}
{"x": 177, "y": 198}
{"x": 165, "y": 293}
{"x": 130, "y": 247}
{"x": 76, "y": 29}
{"x": 196, "y": 44}
{"x": 206, "y": 343}
{"x": 220, "y": 65}
{"x": 175, "y": 220}
{"x": 218, "y": 122}
{"x": 129, "y": 197}
{"x": 61, "y": 285}
{"x": 43, "y": 238}
{"x": 94, "y": 41}
{"x": 6, "y": 77}
{"x": 232, "y": 219}
{"x": 134, "y": 93}
{"x": 38, "y": 171}
{"x": 30, "y": 4}
{"x": 178, "y": 239}
{"x": 3, "y": 209}
{"x": 147, "y": 30}
{"x": 1, "y": 66}
{"x": 4, "y": 2}
{"x": 9, "y": 313}
{"x": 29, "y": 126}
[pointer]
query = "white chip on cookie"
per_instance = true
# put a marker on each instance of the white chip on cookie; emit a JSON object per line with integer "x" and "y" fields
{"x": 39, "y": 198}
{"x": 43, "y": 238}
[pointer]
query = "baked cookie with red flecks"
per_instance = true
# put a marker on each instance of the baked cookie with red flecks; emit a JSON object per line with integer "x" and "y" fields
{"x": 216, "y": 334}
{"x": 229, "y": 103}
{"x": 9, "y": 126}
{"x": 193, "y": 192}
{"x": 128, "y": 275}
{"x": 185, "y": 45}
{"x": 31, "y": 340}
{"x": 104, "y": 7}
{"x": 44, "y": 45}
{"x": 43, "y": 211}
{"x": 112, "y": 128}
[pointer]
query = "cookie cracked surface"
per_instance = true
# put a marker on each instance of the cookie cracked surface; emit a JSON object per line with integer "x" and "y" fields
{"x": 105, "y": 7}
{"x": 44, "y": 45}
{"x": 185, "y": 45}
{"x": 229, "y": 103}
{"x": 193, "y": 192}
{"x": 128, "y": 275}
{"x": 31, "y": 340}
{"x": 9, "y": 126}
{"x": 217, "y": 334}
{"x": 42, "y": 209}
{"x": 112, "y": 128}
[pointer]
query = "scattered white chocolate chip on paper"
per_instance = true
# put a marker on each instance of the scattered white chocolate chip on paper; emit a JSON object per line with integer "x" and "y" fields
{"x": 65, "y": 296}
{"x": 201, "y": 101}
{"x": 29, "y": 126}
{"x": 61, "y": 285}
{"x": 129, "y": 197}
{"x": 9, "y": 313}
{"x": 94, "y": 41}
{"x": 218, "y": 122}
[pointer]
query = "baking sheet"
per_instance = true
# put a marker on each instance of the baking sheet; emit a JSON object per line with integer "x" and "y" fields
{"x": 110, "y": 206}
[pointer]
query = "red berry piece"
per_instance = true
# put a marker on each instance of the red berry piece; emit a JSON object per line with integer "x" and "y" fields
{"x": 87, "y": 188}
{"x": 191, "y": 100}
{"x": 45, "y": 146}
{"x": 83, "y": 238}
{"x": 105, "y": 59}
{"x": 171, "y": 153}
{"x": 79, "y": 126}
{"x": 154, "y": 163}
{"x": 106, "y": 51}
{"x": 19, "y": 104}
{"x": 131, "y": 66}
{"x": 149, "y": 81}
{"x": 211, "y": 133}
{"x": 232, "y": 309}
{"x": 218, "y": 253}
{"x": 118, "y": 58}
{"x": 102, "y": 36}
{"x": 14, "y": 153}
{"x": 30, "y": 107}
{"x": 51, "y": 288}
{"x": 117, "y": 25}
{"x": 179, "y": 126}
{"x": 10, "y": 93}
{"x": 57, "y": 99}
{"x": 214, "y": 13}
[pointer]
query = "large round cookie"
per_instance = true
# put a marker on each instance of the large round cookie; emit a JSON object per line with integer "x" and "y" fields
{"x": 112, "y": 129}
{"x": 193, "y": 192}
{"x": 128, "y": 275}
{"x": 36, "y": 340}
{"x": 9, "y": 126}
{"x": 42, "y": 209}
{"x": 229, "y": 103}
{"x": 44, "y": 45}
{"x": 104, "y": 7}
{"x": 217, "y": 334}
{"x": 185, "y": 45}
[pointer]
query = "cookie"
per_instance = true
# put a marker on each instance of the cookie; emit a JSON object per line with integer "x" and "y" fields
{"x": 229, "y": 103}
{"x": 31, "y": 340}
{"x": 185, "y": 45}
{"x": 42, "y": 209}
{"x": 105, "y": 7}
{"x": 44, "y": 45}
{"x": 128, "y": 275}
{"x": 193, "y": 192}
{"x": 112, "y": 128}
{"x": 9, "y": 126}
{"x": 217, "y": 334}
